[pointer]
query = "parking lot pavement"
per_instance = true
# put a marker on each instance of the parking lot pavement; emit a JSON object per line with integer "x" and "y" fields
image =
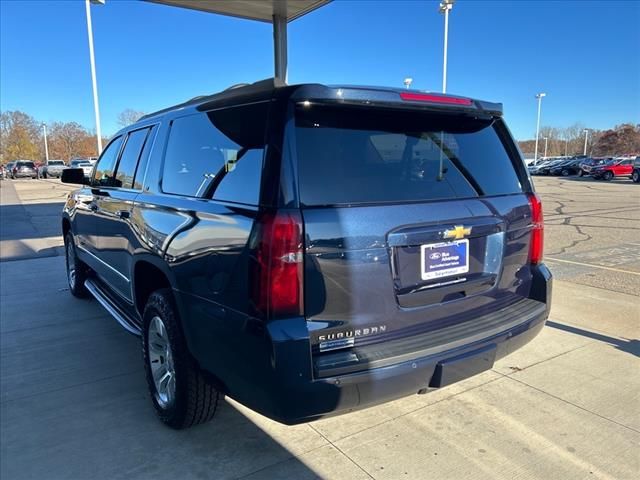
{"x": 592, "y": 231}
{"x": 73, "y": 401}
{"x": 30, "y": 218}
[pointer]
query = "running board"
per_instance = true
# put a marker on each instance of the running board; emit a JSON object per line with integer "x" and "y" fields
{"x": 112, "y": 309}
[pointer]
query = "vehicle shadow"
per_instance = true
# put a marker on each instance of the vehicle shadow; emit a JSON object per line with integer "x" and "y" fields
{"x": 631, "y": 346}
{"x": 75, "y": 402}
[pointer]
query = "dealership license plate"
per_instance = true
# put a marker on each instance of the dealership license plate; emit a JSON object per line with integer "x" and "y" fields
{"x": 444, "y": 259}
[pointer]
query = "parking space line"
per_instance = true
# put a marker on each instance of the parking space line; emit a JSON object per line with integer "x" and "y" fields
{"x": 592, "y": 266}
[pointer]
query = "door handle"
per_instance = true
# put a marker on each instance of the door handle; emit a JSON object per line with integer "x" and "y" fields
{"x": 124, "y": 214}
{"x": 93, "y": 207}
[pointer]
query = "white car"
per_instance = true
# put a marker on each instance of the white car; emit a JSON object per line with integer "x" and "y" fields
{"x": 87, "y": 168}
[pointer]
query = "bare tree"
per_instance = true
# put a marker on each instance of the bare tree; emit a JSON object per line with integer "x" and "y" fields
{"x": 128, "y": 116}
{"x": 69, "y": 140}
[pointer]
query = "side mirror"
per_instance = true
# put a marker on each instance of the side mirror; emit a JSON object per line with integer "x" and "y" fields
{"x": 74, "y": 175}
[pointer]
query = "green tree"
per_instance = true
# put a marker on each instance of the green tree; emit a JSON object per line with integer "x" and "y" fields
{"x": 20, "y": 136}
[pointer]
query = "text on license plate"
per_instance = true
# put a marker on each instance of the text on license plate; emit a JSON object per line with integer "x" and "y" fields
{"x": 444, "y": 259}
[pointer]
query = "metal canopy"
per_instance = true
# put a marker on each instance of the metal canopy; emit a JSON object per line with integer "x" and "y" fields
{"x": 276, "y": 12}
{"x": 260, "y": 10}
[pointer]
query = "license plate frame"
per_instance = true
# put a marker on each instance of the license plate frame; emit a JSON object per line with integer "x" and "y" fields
{"x": 430, "y": 269}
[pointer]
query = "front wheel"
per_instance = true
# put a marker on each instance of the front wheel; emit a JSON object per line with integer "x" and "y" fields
{"x": 565, "y": 173}
{"x": 179, "y": 392}
{"x": 635, "y": 176}
{"x": 607, "y": 175}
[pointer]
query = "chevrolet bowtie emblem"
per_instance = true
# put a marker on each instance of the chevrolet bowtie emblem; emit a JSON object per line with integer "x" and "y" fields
{"x": 458, "y": 232}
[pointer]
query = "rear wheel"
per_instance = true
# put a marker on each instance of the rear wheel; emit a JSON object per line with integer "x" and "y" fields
{"x": 76, "y": 269}
{"x": 608, "y": 175}
{"x": 580, "y": 173}
{"x": 635, "y": 176}
{"x": 180, "y": 394}
{"x": 565, "y": 173}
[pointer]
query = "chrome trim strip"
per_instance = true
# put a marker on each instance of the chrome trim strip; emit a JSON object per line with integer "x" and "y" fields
{"x": 105, "y": 264}
{"x": 95, "y": 291}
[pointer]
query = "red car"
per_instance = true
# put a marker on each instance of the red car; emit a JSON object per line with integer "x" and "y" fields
{"x": 614, "y": 168}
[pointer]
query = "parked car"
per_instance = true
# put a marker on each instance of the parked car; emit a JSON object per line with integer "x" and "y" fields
{"x": 8, "y": 169}
{"x": 635, "y": 173}
{"x": 24, "y": 169}
{"x": 587, "y": 165}
{"x": 84, "y": 164}
{"x": 53, "y": 168}
{"x": 613, "y": 168}
{"x": 567, "y": 168}
{"x": 545, "y": 168}
{"x": 311, "y": 250}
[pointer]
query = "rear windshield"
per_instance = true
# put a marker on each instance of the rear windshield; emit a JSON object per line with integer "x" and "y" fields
{"x": 26, "y": 164}
{"x": 56, "y": 162}
{"x": 350, "y": 156}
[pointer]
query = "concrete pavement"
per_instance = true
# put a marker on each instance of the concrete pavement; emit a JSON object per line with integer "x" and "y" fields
{"x": 73, "y": 401}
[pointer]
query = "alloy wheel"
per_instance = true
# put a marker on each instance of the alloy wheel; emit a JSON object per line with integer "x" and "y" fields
{"x": 161, "y": 362}
{"x": 71, "y": 265}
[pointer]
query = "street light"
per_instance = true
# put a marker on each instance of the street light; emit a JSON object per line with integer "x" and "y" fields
{"x": 407, "y": 82}
{"x": 586, "y": 136}
{"x": 445, "y": 7}
{"x": 546, "y": 140}
{"x": 46, "y": 147}
{"x": 94, "y": 83}
{"x": 539, "y": 97}
{"x": 566, "y": 146}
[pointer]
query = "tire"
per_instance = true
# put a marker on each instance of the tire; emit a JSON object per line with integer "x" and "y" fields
{"x": 635, "y": 176}
{"x": 565, "y": 173}
{"x": 580, "y": 173}
{"x": 76, "y": 269}
{"x": 608, "y": 175}
{"x": 185, "y": 399}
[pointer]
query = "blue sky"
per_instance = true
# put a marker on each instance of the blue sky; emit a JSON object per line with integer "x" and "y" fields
{"x": 585, "y": 55}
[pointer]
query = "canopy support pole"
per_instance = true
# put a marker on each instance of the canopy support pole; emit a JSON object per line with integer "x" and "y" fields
{"x": 280, "y": 47}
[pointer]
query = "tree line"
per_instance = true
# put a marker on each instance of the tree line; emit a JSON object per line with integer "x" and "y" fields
{"x": 22, "y": 137}
{"x": 623, "y": 139}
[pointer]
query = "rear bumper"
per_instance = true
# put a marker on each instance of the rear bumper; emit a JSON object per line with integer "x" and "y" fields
{"x": 25, "y": 174}
{"x": 287, "y": 388}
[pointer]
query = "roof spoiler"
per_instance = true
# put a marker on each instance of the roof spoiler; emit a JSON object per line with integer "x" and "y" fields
{"x": 393, "y": 98}
{"x": 230, "y": 92}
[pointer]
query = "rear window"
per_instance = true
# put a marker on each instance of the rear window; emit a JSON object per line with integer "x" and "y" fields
{"x": 350, "y": 156}
{"x": 56, "y": 162}
{"x": 26, "y": 164}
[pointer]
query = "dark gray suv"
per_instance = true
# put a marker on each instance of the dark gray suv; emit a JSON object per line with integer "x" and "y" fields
{"x": 310, "y": 250}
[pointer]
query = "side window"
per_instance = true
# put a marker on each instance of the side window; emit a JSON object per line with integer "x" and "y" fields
{"x": 129, "y": 158}
{"x": 144, "y": 159}
{"x": 219, "y": 153}
{"x": 103, "y": 172}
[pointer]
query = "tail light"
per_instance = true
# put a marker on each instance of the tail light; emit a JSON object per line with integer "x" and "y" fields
{"x": 537, "y": 231}
{"x": 276, "y": 276}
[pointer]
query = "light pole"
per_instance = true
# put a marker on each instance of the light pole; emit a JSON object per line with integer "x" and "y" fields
{"x": 46, "y": 147}
{"x": 94, "y": 83}
{"x": 586, "y": 136}
{"x": 445, "y": 7}
{"x": 546, "y": 140}
{"x": 539, "y": 96}
{"x": 407, "y": 82}
{"x": 566, "y": 146}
